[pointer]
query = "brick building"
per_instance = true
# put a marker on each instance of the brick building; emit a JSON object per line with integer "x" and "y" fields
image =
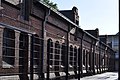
{"x": 113, "y": 40}
{"x": 39, "y": 42}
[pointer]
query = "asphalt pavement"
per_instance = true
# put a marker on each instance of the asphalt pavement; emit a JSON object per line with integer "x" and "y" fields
{"x": 103, "y": 76}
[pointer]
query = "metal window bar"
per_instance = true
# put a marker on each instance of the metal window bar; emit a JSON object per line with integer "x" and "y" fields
{"x": 8, "y": 47}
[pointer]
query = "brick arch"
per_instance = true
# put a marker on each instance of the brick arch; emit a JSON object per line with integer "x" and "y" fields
{"x": 75, "y": 56}
{"x": 50, "y": 51}
{"x": 71, "y": 56}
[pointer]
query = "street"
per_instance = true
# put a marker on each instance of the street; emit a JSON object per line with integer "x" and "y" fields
{"x": 103, "y": 76}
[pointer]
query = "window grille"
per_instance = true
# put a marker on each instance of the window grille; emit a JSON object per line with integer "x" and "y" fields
{"x": 50, "y": 45}
{"x": 75, "y": 57}
{"x": 8, "y": 48}
{"x": 23, "y": 55}
{"x": 57, "y": 56}
{"x": 84, "y": 57}
{"x": 36, "y": 55}
{"x": 87, "y": 58}
{"x": 90, "y": 59}
{"x": 63, "y": 55}
{"x": 71, "y": 57}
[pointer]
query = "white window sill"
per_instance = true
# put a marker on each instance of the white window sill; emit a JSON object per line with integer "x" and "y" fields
{"x": 6, "y": 65}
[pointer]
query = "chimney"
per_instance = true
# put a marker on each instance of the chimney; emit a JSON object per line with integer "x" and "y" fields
{"x": 71, "y": 14}
{"x": 95, "y": 32}
{"x": 75, "y": 15}
{"x": 104, "y": 38}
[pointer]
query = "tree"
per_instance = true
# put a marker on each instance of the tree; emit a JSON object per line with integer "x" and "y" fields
{"x": 50, "y": 3}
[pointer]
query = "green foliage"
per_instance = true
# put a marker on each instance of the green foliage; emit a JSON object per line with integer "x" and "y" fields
{"x": 53, "y": 5}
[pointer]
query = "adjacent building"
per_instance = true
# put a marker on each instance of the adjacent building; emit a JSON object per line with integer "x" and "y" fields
{"x": 113, "y": 41}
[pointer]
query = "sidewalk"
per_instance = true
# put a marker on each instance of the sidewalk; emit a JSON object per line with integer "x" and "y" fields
{"x": 103, "y": 76}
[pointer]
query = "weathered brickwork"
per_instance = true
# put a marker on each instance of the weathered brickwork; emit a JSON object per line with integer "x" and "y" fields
{"x": 49, "y": 45}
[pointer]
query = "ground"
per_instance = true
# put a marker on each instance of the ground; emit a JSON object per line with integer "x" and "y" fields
{"x": 103, "y": 76}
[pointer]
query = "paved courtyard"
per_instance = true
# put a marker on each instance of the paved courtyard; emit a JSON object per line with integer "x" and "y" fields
{"x": 103, "y": 76}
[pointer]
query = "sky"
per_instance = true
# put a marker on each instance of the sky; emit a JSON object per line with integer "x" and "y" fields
{"x": 101, "y": 14}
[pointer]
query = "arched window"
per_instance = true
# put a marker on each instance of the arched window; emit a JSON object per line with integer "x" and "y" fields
{"x": 37, "y": 50}
{"x": 90, "y": 60}
{"x": 84, "y": 57}
{"x": 8, "y": 48}
{"x": 87, "y": 60}
{"x": 50, "y": 51}
{"x": 95, "y": 57}
{"x": 71, "y": 58}
{"x": 57, "y": 56}
{"x": 63, "y": 50}
{"x": 75, "y": 57}
{"x": 23, "y": 54}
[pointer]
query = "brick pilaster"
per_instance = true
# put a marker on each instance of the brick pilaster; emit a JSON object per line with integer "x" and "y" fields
{"x": 17, "y": 36}
{"x": 29, "y": 51}
{"x": 1, "y": 43}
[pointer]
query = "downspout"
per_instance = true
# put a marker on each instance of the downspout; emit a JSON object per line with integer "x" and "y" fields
{"x": 99, "y": 58}
{"x": 43, "y": 41}
{"x": 67, "y": 52}
{"x": 94, "y": 48}
{"x": 31, "y": 59}
{"x": 91, "y": 49}
{"x": 80, "y": 59}
{"x": 81, "y": 54}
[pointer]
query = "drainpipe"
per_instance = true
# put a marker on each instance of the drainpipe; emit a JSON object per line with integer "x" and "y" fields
{"x": 100, "y": 56}
{"x": 81, "y": 65}
{"x": 80, "y": 59}
{"x": 67, "y": 53}
{"x": 91, "y": 55}
{"x": 94, "y": 48}
{"x": 43, "y": 42}
{"x": 31, "y": 59}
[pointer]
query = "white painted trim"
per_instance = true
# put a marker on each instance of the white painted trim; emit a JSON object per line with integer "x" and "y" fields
{"x": 71, "y": 72}
{"x": 62, "y": 73}
{"x": 96, "y": 70}
{"x": 51, "y": 75}
{"x": 84, "y": 71}
{"x": 13, "y": 77}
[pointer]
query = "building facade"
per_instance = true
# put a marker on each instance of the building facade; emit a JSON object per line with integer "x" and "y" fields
{"x": 38, "y": 42}
{"x": 114, "y": 41}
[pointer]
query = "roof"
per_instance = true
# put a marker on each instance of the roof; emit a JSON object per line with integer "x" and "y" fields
{"x": 67, "y": 19}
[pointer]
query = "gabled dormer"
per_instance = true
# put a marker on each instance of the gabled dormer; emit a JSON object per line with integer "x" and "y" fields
{"x": 71, "y": 14}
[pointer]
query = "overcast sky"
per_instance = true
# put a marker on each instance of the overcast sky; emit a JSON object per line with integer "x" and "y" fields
{"x": 102, "y": 14}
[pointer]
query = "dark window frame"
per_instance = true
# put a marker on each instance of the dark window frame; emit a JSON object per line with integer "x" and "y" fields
{"x": 8, "y": 48}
